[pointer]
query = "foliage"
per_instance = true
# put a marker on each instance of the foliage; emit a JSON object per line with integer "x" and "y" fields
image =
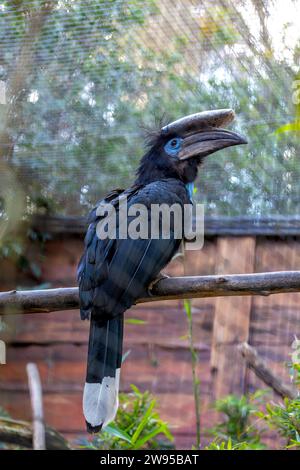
{"x": 237, "y": 430}
{"x": 294, "y": 364}
{"x": 285, "y": 419}
{"x": 137, "y": 426}
{"x": 240, "y": 432}
{"x": 15, "y": 249}
{"x": 194, "y": 360}
{"x": 103, "y": 68}
{"x": 228, "y": 445}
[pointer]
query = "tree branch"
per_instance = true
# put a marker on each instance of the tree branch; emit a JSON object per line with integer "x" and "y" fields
{"x": 49, "y": 300}
{"x": 20, "y": 433}
{"x": 262, "y": 371}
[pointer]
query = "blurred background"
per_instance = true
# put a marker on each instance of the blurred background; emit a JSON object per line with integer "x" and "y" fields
{"x": 84, "y": 77}
{"x": 79, "y": 82}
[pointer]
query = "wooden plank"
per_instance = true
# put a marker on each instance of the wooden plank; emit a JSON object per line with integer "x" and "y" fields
{"x": 201, "y": 263}
{"x": 62, "y": 367}
{"x": 275, "y": 321}
{"x": 214, "y": 226}
{"x": 63, "y": 410}
{"x": 60, "y": 262}
{"x": 232, "y": 318}
{"x": 67, "y": 327}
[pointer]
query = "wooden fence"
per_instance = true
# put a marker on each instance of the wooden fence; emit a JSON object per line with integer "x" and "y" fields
{"x": 159, "y": 358}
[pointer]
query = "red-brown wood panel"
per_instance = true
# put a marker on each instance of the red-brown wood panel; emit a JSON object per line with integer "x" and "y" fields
{"x": 232, "y": 317}
{"x": 275, "y": 320}
{"x": 159, "y": 358}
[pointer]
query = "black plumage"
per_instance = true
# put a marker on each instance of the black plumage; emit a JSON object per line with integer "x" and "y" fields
{"x": 114, "y": 273}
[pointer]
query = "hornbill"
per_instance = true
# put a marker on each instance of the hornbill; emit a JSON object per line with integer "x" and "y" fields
{"x": 114, "y": 272}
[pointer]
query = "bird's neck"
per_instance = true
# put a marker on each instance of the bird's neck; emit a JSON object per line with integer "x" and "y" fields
{"x": 154, "y": 166}
{"x": 152, "y": 169}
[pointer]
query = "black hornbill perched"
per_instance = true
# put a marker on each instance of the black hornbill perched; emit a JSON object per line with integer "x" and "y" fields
{"x": 114, "y": 272}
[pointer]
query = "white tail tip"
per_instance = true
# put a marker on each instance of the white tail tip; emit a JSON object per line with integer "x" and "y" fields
{"x": 100, "y": 402}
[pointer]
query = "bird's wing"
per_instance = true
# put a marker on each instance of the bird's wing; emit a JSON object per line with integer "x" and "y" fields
{"x": 93, "y": 266}
{"x": 113, "y": 274}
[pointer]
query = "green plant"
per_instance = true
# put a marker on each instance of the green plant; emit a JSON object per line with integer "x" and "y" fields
{"x": 237, "y": 428}
{"x": 228, "y": 445}
{"x": 294, "y": 364}
{"x": 285, "y": 419}
{"x": 100, "y": 71}
{"x": 238, "y": 432}
{"x": 14, "y": 247}
{"x": 194, "y": 360}
{"x": 137, "y": 426}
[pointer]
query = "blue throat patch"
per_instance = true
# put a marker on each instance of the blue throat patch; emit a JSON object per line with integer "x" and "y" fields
{"x": 190, "y": 190}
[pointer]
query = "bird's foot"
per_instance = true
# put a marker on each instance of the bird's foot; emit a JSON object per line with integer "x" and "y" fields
{"x": 155, "y": 281}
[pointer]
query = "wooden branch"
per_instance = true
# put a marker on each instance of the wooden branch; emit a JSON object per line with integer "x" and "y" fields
{"x": 262, "y": 371}
{"x": 49, "y": 300}
{"x": 20, "y": 433}
{"x": 36, "y": 397}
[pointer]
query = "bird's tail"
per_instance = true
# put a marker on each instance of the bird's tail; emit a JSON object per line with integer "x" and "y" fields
{"x": 100, "y": 397}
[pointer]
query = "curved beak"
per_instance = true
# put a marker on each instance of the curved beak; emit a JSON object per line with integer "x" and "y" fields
{"x": 204, "y": 143}
{"x": 203, "y": 133}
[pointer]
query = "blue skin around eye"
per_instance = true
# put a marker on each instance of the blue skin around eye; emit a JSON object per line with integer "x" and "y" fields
{"x": 171, "y": 149}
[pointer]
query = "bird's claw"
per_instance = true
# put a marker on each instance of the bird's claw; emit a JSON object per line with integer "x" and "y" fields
{"x": 155, "y": 281}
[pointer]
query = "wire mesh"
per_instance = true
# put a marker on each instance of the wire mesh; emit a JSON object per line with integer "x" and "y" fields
{"x": 82, "y": 78}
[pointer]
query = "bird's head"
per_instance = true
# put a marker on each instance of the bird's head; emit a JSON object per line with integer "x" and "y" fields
{"x": 180, "y": 147}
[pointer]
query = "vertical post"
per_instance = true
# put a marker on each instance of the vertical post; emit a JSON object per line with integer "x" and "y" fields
{"x": 2, "y": 352}
{"x": 232, "y": 318}
{"x": 35, "y": 388}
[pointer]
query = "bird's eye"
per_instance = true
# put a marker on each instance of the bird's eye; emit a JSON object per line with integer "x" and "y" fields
{"x": 173, "y": 146}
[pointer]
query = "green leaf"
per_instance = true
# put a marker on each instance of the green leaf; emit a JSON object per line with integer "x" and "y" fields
{"x": 184, "y": 337}
{"x": 135, "y": 321}
{"x": 291, "y": 127}
{"x": 125, "y": 355}
{"x": 143, "y": 423}
{"x": 149, "y": 436}
{"x": 136, "y": 390}
{"x": 113, "y": 430}
{"x": 188, "y": 308}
